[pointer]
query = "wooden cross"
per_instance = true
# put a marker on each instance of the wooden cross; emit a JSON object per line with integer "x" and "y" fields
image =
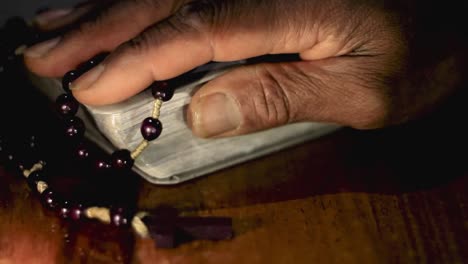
{"x": 168, "y": 229}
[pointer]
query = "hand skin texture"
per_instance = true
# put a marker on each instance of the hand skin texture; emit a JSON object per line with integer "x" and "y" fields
{"x": 364, "y": 63}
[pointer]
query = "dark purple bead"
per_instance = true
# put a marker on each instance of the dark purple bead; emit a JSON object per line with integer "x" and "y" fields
{"x": 82, "y": 152}
{"x": 162, "y": 90}
{"x": 102, "y": 165}
{"x": 34, "y": 178}
{"x": 67, "y": 105}
{"x": 74, "y": 127}
{"x": 119, "y": 217}
{"x": 122, "y": 159}
{"x": 34, "y": 148}
{"x": 50, "y": 199}
{"x": 151, "y": 128}
{"x": 64, "y": 210}
{"x": 68, "y": 78}
{"x": 33, "y": 143}
{"x": 14, "y": 163}
{"x": 76, "y": 212}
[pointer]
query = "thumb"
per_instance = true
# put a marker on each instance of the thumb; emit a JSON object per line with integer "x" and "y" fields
{"x": 262, "y": 96}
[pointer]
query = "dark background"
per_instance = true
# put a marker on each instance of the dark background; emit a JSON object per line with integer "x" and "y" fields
{"x": 27, "y": 8}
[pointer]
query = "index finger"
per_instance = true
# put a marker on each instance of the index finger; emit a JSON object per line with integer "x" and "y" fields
{"x": 119, "y": 22}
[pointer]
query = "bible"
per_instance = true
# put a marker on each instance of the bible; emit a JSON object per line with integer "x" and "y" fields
{"x": 177, "y": 155}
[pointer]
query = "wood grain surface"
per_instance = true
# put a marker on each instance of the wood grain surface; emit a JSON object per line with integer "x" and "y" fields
{"x": 396, "y": 195}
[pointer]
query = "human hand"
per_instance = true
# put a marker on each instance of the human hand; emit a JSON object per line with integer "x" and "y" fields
{"x": 364, "y": 63}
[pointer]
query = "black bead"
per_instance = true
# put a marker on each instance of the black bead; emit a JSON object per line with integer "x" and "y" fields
{"x": 33, "y": 147}
{"x": 67, "y": 105}
{"x": 33, "y": 143}
{"x": 34, "y": 178}
{"x": 28, "y": 151}
{"x": 119, "y": 217}
{"x": 102, "y": 166}
{"x": 50, "y": 199}
{"x": 14, "y": 163}
{"x": 122, "y": 159}
{"x": 82, "y": 152}
{"x": 74, "y": 128}
{"x": 68, "y": 78}
{"x": 162, "y": 90}
{"x": 64, "y": 210}
{"x": 151, "y": 128}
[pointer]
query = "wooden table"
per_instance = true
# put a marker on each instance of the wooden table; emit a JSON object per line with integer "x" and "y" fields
{"x": 397, "y": 195}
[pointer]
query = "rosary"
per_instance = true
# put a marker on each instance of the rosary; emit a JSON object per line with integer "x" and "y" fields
{"x": 161, "y": 225}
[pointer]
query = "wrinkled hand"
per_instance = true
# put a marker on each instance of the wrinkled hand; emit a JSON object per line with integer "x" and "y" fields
{"x": 364, "y": 64}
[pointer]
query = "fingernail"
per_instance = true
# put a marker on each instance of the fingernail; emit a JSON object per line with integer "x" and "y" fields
{"x": 48, "y": 16}
{"x": 87, "y": 79}
{"x": 41, "y": 49}
{"x": 215, "y": 114}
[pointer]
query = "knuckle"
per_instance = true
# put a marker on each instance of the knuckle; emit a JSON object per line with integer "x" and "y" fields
{"x": 193, "y": 17}
{"x": 139, "y": 45}
{"x": 270, "y": 104}
{"x": 198, "y": 14}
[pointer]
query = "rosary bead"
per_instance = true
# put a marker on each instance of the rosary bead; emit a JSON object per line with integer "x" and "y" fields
{"x": 119, "y": 217}
{"x": 34, "y": 178}
{"x": 33, "y": 143}
{"x": 82, "y": 152}
{"x": 122, "y": 159}
{"x": 14, "y": 163}
{"x": 50, "y": 198}
{"x": 151, "y": 128}
{"x": 64, "y": 210}
{"x": 67, "y": 105}
{"x": 74, "y": 127}
{"x": 162, "y": 90}
{"x": 34, "y": 150}
{"x": 102, "y": 165}
{"x": 68, "y": 78}
{"x": 76, "y": 212}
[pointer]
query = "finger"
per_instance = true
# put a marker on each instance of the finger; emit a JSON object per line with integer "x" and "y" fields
{"x": 201, "y": 32}
{"x": 263, "y": 96}
{"x": 54, "y": 19}
{"x": 103, "y": 33}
